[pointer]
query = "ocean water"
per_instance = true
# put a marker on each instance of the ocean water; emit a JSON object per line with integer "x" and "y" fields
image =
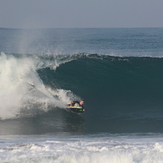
{"x": 117, "y": 71}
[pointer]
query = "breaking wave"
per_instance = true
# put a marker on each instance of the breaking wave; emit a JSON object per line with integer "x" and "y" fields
{"x": 116, "y": 90}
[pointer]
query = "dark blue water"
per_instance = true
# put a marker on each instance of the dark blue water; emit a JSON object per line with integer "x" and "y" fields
{"x": 118, "y": 72}
{"x": 115, "y": 41}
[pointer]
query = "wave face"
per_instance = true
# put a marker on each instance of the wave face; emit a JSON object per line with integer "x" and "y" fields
{"x": 122, "y": 94}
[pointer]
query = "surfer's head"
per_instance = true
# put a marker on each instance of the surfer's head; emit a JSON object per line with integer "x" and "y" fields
{"x": 82, "y": 102}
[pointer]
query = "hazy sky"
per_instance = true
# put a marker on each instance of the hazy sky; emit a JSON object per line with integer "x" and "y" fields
{"x": 80, "y": 13}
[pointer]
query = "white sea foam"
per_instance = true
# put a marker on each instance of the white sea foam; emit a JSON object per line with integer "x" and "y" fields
{"x": 22, "y": 88}
{"x": 79, "y": 150}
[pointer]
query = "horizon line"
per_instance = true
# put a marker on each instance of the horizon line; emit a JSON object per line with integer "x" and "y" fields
{"x": 20, "y": 28}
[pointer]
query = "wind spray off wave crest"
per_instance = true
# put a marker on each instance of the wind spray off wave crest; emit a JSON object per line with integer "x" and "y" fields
{"x": 22, "y": 89}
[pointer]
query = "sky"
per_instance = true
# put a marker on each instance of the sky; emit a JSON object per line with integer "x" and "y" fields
{"x": 81, "y": 13}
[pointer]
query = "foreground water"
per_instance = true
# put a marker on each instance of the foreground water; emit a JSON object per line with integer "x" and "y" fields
{"x": 90, "y": 149}
{"x": 118, "y": 72}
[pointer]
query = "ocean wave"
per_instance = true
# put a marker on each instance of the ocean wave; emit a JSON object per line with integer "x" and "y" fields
{"x": 115, "y": 89}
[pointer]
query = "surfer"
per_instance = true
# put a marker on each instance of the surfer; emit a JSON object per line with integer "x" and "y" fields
{"x": 77, "y": 103}
{"x": 76, "y": 107}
